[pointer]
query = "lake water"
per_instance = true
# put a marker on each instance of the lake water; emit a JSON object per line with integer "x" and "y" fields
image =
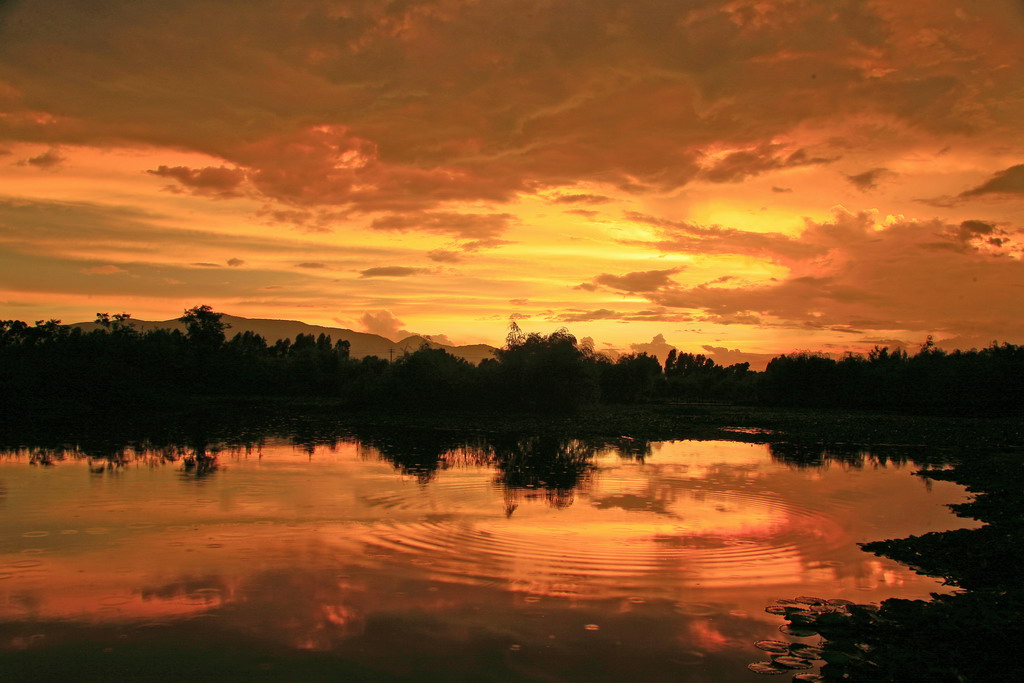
{"x": 437, "y": 559}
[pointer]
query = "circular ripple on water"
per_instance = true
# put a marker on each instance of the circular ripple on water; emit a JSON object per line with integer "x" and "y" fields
{"x": 698, "y": 609}
{"x": 114, "y": 600}
{"x": 788, "y": 530}
{"x": 784, "y": 532}
{"x": 484, "y": 552}
{"x": 454, "y": 491}
{"x": 26, "y": 564}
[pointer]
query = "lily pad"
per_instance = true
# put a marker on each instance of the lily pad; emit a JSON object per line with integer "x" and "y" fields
{"x": 805, "y": 651}
{"x": 775, "y": 609}
{"x": 839, "y": 602}
{"x": 803, "y": 618}
{"x": 808, "y": 600}
{"x": 791, "y": 662}
{"x": 834, "y": 619}
{"x": 797, "y": 631}
{"x": 767, "y": 668}
{"x": 775, "y": 646}
{"x": 800, "y": 678}
{"x": 866, "y": 607}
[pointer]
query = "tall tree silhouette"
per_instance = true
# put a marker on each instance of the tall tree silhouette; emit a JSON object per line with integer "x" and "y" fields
{"x": 204, "y": 327}
{"x": 205, "y": 333}
{"x": 544, "y": 372}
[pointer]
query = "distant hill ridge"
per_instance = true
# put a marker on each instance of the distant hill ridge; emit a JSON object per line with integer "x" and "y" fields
{"x": 361, "y": 344}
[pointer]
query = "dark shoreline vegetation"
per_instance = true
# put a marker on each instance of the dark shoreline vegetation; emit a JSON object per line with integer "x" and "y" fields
{"x": 970, "y": 635}
{"x": 49, "y": 366}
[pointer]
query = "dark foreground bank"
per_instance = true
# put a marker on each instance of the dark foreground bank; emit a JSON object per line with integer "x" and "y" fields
{"x": 971, "y": 635}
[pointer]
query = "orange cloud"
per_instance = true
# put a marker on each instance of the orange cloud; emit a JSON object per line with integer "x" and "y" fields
{"x": 640, "y": 281}
{"x": 103, "y": 270}
{"x": 384, "y": 323}
{"x": 737, "y": 166}
{"x": 868, "y": 180}
{"x": 685, "y": 237}
{"x": 586, "y": 199}
{"x": 900, "y": 275}
{"x": 47, "y": 161}
{"x": 391, "y": 271}
{"x": 457, "y": 106}
{"x": 218, "y": 181}
{"x": 479, "y": 230}
{"x": 657, "y": 347}
{"x": 444, "y": 256}
{"x": 1009, "y": 181}
{"x": 725, "y": 356}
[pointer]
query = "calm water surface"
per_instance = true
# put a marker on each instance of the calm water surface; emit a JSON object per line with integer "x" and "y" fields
{"x": 352, "y": 561}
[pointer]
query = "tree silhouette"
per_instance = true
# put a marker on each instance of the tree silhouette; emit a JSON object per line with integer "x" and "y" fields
{"x": 204, "y": 327}
{"x": 539, "y": 372}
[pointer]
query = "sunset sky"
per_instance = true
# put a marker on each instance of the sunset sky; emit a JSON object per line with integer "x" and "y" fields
{"x": 740, "y": 178}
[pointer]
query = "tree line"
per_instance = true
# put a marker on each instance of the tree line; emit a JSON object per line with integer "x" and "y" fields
{"x": 51, "y": 364}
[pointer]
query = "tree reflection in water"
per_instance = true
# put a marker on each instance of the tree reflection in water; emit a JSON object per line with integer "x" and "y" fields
{"x": 297, "y": 569}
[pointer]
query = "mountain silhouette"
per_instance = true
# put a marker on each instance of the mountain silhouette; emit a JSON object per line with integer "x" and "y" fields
{"x": 361, "y": 344}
